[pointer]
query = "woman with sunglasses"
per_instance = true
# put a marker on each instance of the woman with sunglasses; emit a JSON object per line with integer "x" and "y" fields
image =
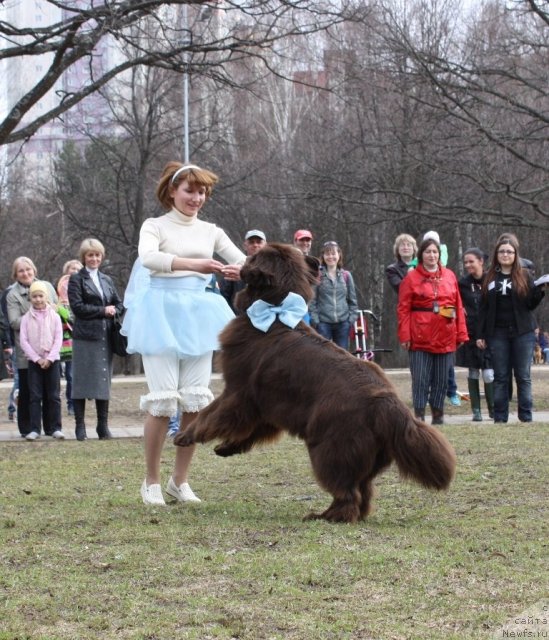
{"x": 334, "y": 308}
{"x": 506, "y": 326}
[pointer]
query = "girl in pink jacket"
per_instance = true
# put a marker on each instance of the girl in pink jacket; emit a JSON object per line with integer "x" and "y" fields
{"x": 41, "y": 337}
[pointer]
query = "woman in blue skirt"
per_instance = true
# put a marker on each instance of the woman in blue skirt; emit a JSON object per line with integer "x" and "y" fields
{"x": 173, "y": 321}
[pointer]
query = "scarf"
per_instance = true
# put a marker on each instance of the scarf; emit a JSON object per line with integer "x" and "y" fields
{"x": 41, "y": 329}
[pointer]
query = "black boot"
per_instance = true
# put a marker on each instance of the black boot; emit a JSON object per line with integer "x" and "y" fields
{"x": 438, "y": 416}
{"x": 474, "y": 394}
{"x": 79, "y": 412}
{"x": 419, "y": 413}
{"x": 102, "y": 408}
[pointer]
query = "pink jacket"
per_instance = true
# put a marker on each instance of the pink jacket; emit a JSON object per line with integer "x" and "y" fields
{"x": 41, "y": 334}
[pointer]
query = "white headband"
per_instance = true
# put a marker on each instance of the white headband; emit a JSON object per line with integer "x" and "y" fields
{"x": 185, "y": 168}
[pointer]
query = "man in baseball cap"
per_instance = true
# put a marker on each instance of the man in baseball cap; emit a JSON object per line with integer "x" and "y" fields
{"x": 255, "y": 233}
{"x": 254, "y": 241}
{"x": 303, "y": 240}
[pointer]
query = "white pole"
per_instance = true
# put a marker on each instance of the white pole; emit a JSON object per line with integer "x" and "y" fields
{"x": 186, "y": 116}
{"x": 186, "y": 91}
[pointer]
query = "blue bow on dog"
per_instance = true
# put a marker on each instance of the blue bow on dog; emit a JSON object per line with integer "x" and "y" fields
{"x": 290, "y": 312}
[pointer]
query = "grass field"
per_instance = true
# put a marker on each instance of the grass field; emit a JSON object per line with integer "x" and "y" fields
{"x": 82, "y": 558}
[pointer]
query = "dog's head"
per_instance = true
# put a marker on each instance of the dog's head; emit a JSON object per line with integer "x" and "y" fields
{"x": 275, "y": 271}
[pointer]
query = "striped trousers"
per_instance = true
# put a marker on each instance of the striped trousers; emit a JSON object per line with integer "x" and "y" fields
{"x": 429, "y": 377}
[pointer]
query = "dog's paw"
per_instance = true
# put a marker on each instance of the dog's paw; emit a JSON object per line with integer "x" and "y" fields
{"x": 312, "y": 516}
{"x": 183, "y": 439}
{"x": 225, "y": 449}
{"x": 334, "y": 515}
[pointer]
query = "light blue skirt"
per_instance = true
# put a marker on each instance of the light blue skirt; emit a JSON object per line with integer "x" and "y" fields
{"x": 175, "y": 315}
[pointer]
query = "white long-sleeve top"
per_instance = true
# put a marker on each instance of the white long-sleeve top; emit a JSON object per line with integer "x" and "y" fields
{"x": 177, "y": 235}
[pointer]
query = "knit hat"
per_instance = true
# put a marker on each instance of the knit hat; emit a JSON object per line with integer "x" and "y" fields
{"x": 432, "y": 235}
{"x": 39, "y": 285}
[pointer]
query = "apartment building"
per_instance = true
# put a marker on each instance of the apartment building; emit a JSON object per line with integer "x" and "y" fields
{"x": 19, "y": 74}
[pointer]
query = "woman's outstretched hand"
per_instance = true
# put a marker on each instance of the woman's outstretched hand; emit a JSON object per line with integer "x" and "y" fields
{"x": 207, "y": 265}
{"x": 231, "y": 271}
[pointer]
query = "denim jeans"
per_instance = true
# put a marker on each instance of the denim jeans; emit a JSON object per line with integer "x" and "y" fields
{"x": 173, "y": 424}
{"x": 338, "y": 332}
{"x": 12, "y": 405}
{"x": 452, "y": 384}
{"x": 512, "y": 353}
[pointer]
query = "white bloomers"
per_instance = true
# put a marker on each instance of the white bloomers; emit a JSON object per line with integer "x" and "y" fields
{"x": 173, "y": 381}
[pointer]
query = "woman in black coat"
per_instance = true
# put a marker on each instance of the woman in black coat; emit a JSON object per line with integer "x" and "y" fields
{"x": 94, "y": 302}
{"x": 470, "y": 356}
{"x": 405, "y": 252}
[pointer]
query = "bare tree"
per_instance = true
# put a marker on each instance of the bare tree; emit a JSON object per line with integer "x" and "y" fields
{"x": 401, "y": 119}
{"x": 492, "y": 87}
{"x": 104, "y": 188}
{"x": 239, "y": 29}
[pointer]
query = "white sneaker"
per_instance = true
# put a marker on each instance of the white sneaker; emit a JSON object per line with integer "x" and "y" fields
{"x": 58, "y": 435}
{"x": 152, "y": 494}
{"x": 183, "y": 492}
{"x": 32, "y": 435}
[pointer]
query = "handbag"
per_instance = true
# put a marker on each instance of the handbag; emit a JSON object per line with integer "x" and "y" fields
{"x": 448, "y": 311}
{"x": 119, "y": 343}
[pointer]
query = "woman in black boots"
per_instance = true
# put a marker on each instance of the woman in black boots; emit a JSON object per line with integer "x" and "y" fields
{"x": 470, "y": 356}
{"x": 94, "y": 302}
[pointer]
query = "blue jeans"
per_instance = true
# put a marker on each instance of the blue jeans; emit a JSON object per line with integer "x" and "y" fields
{"x": 338, "y": 332}
{"x": 452, "y": 384}
{"x": 512, "y": 353}
{"x": 173, "y": 424}
{"x": 12, "y": 405}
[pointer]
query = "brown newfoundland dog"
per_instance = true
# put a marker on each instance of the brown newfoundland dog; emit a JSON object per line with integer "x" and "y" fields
{"x": 291, "y": 379}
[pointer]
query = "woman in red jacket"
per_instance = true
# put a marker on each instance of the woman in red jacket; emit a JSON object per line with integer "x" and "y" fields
{"x": 431, "y": 326}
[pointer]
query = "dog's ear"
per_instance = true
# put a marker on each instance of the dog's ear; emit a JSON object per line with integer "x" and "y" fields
{"x": 313, "y": 265}
{"x": 256, "y": 277}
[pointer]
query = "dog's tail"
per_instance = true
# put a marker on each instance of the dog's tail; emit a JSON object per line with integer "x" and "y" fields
{"x": 422, "y": 453}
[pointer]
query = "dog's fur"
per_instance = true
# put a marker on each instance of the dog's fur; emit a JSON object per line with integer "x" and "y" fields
{"x": 345, "y": 409}
{"x": 538, "y": 355}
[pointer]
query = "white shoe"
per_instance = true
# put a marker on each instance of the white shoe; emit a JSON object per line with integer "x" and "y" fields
{"x": 152, "y": 494}
{"x": 183, "y": 492}
{"x": 58, "y": 435}
{"x": 32, "y": 435}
